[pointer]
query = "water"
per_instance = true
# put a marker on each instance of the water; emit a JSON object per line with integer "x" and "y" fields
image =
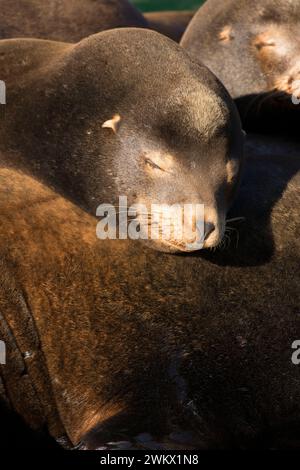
{"x": 155, "y": 5}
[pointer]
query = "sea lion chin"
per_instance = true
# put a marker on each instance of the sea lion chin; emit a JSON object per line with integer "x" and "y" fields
{"x": 254, "y": 49}
{"x": 123, "y": 113}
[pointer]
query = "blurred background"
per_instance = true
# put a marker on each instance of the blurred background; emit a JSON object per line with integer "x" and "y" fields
{"x": 156, "y": 5}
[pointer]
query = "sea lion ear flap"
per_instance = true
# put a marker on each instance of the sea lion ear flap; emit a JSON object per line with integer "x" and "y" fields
{"x": 113, "y": 123}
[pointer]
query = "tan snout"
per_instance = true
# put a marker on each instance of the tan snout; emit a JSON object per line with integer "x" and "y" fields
{"x": 289, "y": 82}
{"x": 184, "y": 228}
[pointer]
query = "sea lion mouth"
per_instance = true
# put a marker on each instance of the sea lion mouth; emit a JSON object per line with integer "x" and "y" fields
{"x": 177, "y": 247}
{"x": 212, "y": 238}
{"x": 182, "y": 228}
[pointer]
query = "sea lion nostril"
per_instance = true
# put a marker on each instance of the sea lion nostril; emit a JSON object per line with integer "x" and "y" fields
{"x": 208, "y": 229}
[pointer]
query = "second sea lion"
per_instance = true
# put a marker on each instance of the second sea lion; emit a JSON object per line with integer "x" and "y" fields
{"x": 254, "y": 49}
{"x": 65, "y": 20}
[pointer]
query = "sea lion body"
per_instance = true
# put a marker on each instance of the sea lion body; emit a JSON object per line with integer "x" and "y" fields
{"x": 133, "y": 341}
{"x": 65, "y": 20}
{"x": 253, "y": 48}
{"x": 110, "y": 117}
{"x": 170, "y": 23}
{"x": 73, "y": 20}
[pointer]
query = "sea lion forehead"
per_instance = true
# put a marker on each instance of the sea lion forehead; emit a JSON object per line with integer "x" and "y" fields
{"x": 146, "y": 49}
{"x": 279, "y": 11}
{"x": 202, "y": 108}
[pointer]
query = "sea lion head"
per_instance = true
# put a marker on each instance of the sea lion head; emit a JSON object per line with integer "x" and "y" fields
{"x": 175, "y": 143}
{"x": 130, "y": 115}
{"x": 254, "y": 49}
{"x": 179, "y": 152}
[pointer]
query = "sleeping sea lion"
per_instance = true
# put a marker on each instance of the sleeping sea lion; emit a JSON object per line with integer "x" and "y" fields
{"x": 124, "y": 113}
{"x": 108, "y": 339}
{"x": 254, "y": 49}
{"x": 73, "y": 20}
{"x": 65, "y": 20}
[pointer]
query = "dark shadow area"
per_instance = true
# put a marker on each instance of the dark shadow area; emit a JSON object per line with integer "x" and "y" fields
{"x": 268, "y": 170}
{"x": 270, "y": 113}
{"x": 16, "y": 435}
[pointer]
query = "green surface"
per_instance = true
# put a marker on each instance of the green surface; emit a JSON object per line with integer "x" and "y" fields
{"x": 156, "y": 5}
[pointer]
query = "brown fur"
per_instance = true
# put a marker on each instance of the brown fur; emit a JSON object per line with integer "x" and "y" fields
{"x": 73, "y": 20}
{"x": 132, "y": 340}
{"x": 65, "y": 20}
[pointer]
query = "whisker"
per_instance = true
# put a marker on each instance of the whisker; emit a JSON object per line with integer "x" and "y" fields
{"x": 236, "y": 219}
{"x": 237, "y": 239}
{"x": 235, "y": 231}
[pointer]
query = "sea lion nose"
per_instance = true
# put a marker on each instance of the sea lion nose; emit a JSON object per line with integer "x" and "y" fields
{"x": 209, "y": 227}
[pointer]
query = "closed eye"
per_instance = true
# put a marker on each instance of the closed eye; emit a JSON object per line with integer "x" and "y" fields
{"x": 261, "y": 44}
{"x": 153, "y": 165}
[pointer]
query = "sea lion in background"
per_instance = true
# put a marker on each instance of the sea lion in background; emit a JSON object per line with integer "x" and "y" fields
{"x": 254, "y": 49}
{"x": 73, "y": 20}
{"x": 170, "y": 23}
{"x": 65, "y": 20}
{"x": 108, "y": 339}
{"x": 123, "y": 113}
